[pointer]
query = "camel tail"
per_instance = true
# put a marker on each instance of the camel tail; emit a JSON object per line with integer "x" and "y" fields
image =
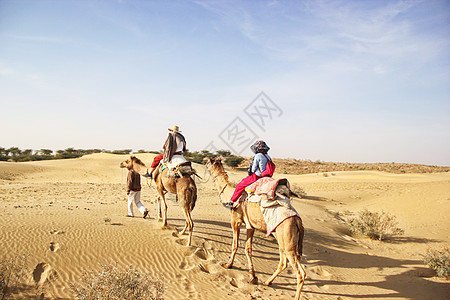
{"x": 301, "y": 233}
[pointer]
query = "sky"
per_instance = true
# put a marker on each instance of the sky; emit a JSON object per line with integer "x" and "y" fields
{"x": 343, "y": 81}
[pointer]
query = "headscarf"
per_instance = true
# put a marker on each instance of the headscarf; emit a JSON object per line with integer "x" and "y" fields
{"x": 260, "y": 147}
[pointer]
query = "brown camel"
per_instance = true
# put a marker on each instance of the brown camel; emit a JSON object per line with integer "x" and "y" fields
{"x": 289, "y": 233}
{"x": 184, "y": 188}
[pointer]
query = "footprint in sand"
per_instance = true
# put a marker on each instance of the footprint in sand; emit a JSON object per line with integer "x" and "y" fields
{"x": 181, "y": 242}
{"x": 56, "y": 232}
{"x": 184, "y": 265}
{"x": 320, "y": 271}
{"x": 203, "y": 253}
{"x": 42, "y": 273}
{"x": 190, "y": 288}
{"x": 236, "y": 283}
{"x": 203, "y": 268}
{"x": 54, "y": 246}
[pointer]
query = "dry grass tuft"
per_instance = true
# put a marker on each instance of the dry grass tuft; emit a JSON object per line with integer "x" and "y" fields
{"x": 375, "y": 225}
{"x": 298, "y": 190}
{"x": 439, "y": 261}
{"x": 111, "y": 283}
{"x": 12, "y": 272}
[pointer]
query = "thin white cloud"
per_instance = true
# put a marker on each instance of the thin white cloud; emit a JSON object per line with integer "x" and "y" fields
{"x": 37, "y": 38}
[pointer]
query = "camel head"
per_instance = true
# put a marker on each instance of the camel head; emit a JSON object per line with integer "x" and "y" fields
{"x": 214, "y": 164}
{"x": 127, "y": 163}
{"x": 130, "y": 162}
{"x": 215, "y": 167}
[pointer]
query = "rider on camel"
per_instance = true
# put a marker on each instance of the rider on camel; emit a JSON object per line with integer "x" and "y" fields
{"x": 175, "y": 144}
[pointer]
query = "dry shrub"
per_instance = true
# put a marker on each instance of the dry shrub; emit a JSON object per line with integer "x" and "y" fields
{"x": 439, "y": 261}
{"x": 12, "y": 271}
{"x": 375, "y": 225}
{"x": 298, "y": 190}
{"x": 111, "y": 283}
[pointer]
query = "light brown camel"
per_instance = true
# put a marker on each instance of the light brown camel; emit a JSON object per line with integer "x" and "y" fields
{"x": 289, "y": 233}
{"x": 184, "y": 188}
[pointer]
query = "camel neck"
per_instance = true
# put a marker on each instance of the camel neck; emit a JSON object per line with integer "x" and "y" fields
{"x": 140, "y": 169}
{"x": 221, "y": 182}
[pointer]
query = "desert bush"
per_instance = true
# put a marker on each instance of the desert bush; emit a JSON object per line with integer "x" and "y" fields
{"x": 198, "y": 156}
{"x": 111, "y": 283}
{"x": 233, "y": 161}
{"x": 298, "y": 190}
{"x": 122, "y": 151}
{"x": 12, "y": 271}
{"x": 223, "y": 153}
{"x": 375, "y": 225}
{"x": 439, "y": 261}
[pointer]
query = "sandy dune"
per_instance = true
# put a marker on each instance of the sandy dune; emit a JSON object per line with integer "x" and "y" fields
{"x": 53, "y": 211}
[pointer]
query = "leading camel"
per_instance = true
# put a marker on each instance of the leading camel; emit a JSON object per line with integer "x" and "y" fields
{"x": 184, "y": 187}
{"x": 289, "y": 233}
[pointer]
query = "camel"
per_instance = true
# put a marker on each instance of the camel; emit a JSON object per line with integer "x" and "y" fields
{"x": 184, "y": 188}
{"x": 289, "y": 233}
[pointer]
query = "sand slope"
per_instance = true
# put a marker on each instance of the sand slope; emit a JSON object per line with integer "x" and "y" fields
{"x": 53, "y": 211}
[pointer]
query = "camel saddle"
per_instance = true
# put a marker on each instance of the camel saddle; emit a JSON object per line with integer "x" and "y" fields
{"x": 178, "y": 167}
{"x": 264, "y": 205}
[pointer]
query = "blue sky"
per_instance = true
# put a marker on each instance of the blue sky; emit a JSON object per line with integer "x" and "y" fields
{"x": 353, "y": 81}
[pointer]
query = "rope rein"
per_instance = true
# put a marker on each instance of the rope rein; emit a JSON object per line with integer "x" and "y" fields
{"x": 224, "y": 187}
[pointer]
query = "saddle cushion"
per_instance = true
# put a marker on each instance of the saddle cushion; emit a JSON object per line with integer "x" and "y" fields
{"x": 275, "y": 211}
{"x": 266, "y": 186}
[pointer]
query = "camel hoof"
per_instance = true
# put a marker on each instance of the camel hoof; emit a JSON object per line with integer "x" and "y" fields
{"x": 253, "y": 280}
{"x": 267, "y": 283}
{"x": 226, "y": 266}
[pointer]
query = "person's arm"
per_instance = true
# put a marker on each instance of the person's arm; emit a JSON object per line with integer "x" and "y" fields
{"x": 129, "y": 182}
{"x": 250, "y": 167}
{"x": 262, "y": 162}
{"x": 256, "y": 163}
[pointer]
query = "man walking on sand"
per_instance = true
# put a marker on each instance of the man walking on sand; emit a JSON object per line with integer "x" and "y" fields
{"x": 134, "y": 193}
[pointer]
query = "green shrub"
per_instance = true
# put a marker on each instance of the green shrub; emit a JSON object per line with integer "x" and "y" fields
{"x": 198, "y": 156}
{"x": 375, "y": 225}
{"x": 223, "y": 153}
{"x": 111, "y": 283}
{"x": 439, "y": 261}
{"x": 233, "y": 161}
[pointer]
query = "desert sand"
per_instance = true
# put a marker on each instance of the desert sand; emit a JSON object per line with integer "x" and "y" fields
{"x": 54, "y": 211}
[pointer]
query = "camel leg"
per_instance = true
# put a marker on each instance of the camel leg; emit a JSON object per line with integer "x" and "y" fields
{"x": 281, "y": 266}
{"x": 294, "y": 259}
{"x": 162, "y": 206}
{"x": 248, "y": 252}
{"x": 189, "y": 225}
{"x": 236, "y": 231}
{"x": 159, "y": 201}
{"x": 164, "y": 212}
{"x": 186, "y": 225}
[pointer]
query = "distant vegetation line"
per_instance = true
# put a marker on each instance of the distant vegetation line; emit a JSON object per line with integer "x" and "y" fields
{"x": 14, "y": 154}
{"x": 283, "y": 166}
